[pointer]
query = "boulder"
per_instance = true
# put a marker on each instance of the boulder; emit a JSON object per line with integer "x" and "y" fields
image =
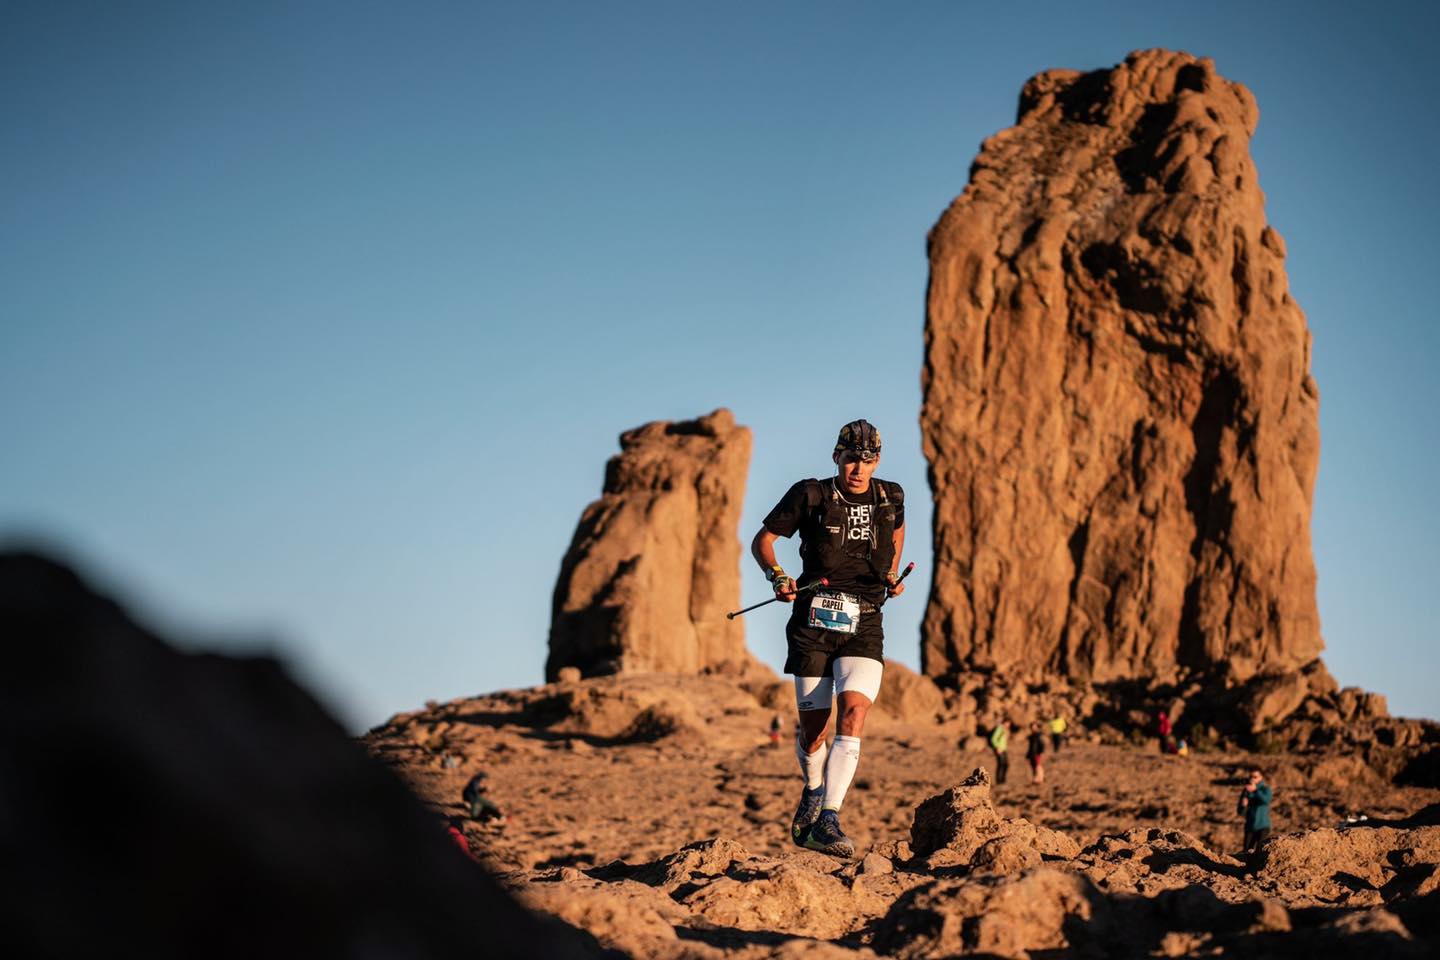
{"x": 1118, "y": 410}
{"x": 786, "y": 897}
{"x": 1043, "y": 911}
{"x": 962, "y": 823}
{"x": 1337, "y": 865}
{"x": 625, "y": 915}
{"x": 875, "y": 865}
{"x": 961, "y": 819}
{"x": 655, "y": 562}
{"x": 1150, "y": 860}
{"x": 1270, "y": 699}
{"x": 1006, "y": 854}
{"x": 702, "y": 859}
{"x": 1349, "y": 702}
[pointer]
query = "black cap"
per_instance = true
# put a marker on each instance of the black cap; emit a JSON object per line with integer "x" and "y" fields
{"x": 859, "y": 437}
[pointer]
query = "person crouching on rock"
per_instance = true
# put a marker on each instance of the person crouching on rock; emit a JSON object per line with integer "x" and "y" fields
{"x": 852, "y": 532}
{"x": 480, "y": 806}
{"x": 1254, "y": 805}
{"x": 1035, "y": 753}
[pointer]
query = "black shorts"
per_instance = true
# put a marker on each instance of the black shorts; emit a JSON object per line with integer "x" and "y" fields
{"x": 812, "y": 651}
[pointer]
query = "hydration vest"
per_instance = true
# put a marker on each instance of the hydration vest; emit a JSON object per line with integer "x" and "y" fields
{"x": 827, "y": 548}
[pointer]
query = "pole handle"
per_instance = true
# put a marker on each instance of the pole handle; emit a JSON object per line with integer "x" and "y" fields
{"x": 822, "y": 582}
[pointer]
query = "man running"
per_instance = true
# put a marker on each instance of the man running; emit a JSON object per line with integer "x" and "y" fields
{"x": 852, "y": 532}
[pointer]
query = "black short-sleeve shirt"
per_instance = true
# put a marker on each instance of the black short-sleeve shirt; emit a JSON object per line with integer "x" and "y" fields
{"x": 854, "y": 573}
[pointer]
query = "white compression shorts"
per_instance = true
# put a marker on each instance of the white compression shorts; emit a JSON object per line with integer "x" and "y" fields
{"x": 859, "y": 674}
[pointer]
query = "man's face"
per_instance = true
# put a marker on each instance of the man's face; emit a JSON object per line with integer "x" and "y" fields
{"x": 1255, "y": 777}
{"x": 855, "y": 473}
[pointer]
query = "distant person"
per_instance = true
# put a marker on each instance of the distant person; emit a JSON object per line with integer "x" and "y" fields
{"x": 1035, "y": 753}
{"x": 999, "y": 745}
{"x": 775, "y": 730}
{"x": 1254, "y": 806}
{"x": 1163, "y": 727}
{"x": 457, "y": 833}
{"x": 481, "y": 807}
{"x": 852, "y": 532}
{"x": 1057, "y": 732}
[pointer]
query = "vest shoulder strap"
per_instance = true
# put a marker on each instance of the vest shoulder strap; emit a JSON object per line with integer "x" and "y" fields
{"x": 814, "y": 493}
{"x": 891, "y": 492}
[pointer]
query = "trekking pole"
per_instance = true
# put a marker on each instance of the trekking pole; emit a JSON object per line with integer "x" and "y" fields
{"x": 909, "y": 567}
{"x": 822, "y": 582}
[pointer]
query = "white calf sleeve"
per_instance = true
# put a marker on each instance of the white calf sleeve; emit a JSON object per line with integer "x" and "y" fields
{"x": 812, "y": 693}
{"x": 812, "y": 765}
{"x": 840, "y": 770}
{"x": 860, "y": 674}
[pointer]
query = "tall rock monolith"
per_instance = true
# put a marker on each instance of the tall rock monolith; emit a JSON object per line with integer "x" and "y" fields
{"x": 1118, "y": 410}
{"x": 655, "y": 562}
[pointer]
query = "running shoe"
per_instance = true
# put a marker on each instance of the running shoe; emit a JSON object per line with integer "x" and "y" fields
{"x": 826, "y": 836}
{"x": 806, "y": 814}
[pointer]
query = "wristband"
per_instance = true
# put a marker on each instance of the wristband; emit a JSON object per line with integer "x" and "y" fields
{"x": 775, "y": 573}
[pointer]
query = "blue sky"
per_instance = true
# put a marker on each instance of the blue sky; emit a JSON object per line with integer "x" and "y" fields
{"x": 318, "y": 321}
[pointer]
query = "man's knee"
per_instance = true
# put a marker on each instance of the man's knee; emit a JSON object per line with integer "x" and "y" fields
{"x": 812, "y": 728}
{"x": 854, "y": 708}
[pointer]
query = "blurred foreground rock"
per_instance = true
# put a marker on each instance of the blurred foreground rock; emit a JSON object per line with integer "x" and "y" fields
{"x": 175, "y": 805}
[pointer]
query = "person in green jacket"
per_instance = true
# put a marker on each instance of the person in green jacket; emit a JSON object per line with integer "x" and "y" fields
{"x": 1254, "y": 805}
{"x": 999, "y": 743}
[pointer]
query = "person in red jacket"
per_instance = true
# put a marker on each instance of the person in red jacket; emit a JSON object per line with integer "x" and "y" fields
{"x": 1035, "y": 753}
{"x": 452, "y": 827}
{"x": 1163, "y": 724}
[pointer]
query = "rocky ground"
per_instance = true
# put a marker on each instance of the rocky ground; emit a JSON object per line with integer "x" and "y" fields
{"x": 652, "y": 812}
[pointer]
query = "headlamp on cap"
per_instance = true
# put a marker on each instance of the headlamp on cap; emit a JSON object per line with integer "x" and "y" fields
{"x": 859, "y": 437}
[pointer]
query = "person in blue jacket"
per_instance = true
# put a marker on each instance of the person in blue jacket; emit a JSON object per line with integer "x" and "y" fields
{"x": 1254, "y": 806}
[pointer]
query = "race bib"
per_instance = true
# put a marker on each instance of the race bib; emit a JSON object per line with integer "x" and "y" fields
{"x": 835, "y": 611}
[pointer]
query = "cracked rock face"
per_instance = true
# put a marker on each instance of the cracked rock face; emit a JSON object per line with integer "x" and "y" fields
{"x": 1118, "y": 410}
{"x": 655, "y": 562}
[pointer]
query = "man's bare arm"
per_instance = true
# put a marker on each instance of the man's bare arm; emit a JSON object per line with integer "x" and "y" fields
{"x": 762, "y": 548}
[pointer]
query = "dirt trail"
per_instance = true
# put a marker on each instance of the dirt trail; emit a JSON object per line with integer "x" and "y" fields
{"x": 607, "y": 779}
